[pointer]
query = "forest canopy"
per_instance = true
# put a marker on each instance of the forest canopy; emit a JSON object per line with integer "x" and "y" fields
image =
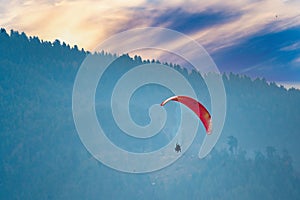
{"x": 42, "y": 157}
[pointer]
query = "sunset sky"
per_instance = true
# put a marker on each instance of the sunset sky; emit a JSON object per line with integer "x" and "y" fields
{"x": 260, "y": 38}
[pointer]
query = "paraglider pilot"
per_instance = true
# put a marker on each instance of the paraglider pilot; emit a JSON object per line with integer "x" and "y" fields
{"x": 177, "y": 148}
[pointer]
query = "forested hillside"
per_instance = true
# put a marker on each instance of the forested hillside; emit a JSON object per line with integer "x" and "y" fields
{"x": 42, "y": 157}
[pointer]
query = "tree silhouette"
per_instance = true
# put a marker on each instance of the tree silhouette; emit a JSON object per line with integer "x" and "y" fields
{"x": 271, "y": 151}
{"x": 233, "y": 144}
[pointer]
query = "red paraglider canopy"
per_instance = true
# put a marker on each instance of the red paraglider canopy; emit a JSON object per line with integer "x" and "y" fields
{"x": 196, "y": 107}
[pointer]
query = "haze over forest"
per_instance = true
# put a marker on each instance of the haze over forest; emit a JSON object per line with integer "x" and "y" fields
{"x": 42, "y": 157}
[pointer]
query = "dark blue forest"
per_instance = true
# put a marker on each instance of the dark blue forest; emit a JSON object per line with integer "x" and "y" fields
{"x": 42, "y": 157}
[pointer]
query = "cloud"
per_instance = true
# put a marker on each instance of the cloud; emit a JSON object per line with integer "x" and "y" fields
{"x": 291, "y": 47}
{"x": 227, "y": 23}
{"x": 77, "y": 22}
{"x": 186, "y": 22}
{"x": 257, "y": 17}
{"x": 215, "y": 24}
{"x": 262, "y": 55}
{"x": 297, "y": 61}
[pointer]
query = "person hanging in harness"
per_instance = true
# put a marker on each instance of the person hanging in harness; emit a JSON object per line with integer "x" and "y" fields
{"x": 178, "y": 148}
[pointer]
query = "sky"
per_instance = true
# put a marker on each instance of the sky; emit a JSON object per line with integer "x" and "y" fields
{"x": 259, "y": 38}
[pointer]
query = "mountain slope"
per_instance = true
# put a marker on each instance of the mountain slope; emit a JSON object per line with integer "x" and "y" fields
{"x": 42, "y": 156}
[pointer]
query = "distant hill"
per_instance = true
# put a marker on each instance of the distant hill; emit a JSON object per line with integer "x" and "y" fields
{"x": 41, "y": 156}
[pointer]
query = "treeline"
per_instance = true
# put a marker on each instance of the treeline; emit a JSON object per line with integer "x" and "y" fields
{"x": 231, "y": 175}
{"x": 41, "y": 156}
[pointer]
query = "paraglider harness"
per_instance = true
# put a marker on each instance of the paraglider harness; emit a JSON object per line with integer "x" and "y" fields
{"x": 178, "y": 148}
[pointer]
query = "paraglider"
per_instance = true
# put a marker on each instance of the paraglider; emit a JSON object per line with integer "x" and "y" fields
{"x": 178, "y": 148}
{"x": 196, "y": 107}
